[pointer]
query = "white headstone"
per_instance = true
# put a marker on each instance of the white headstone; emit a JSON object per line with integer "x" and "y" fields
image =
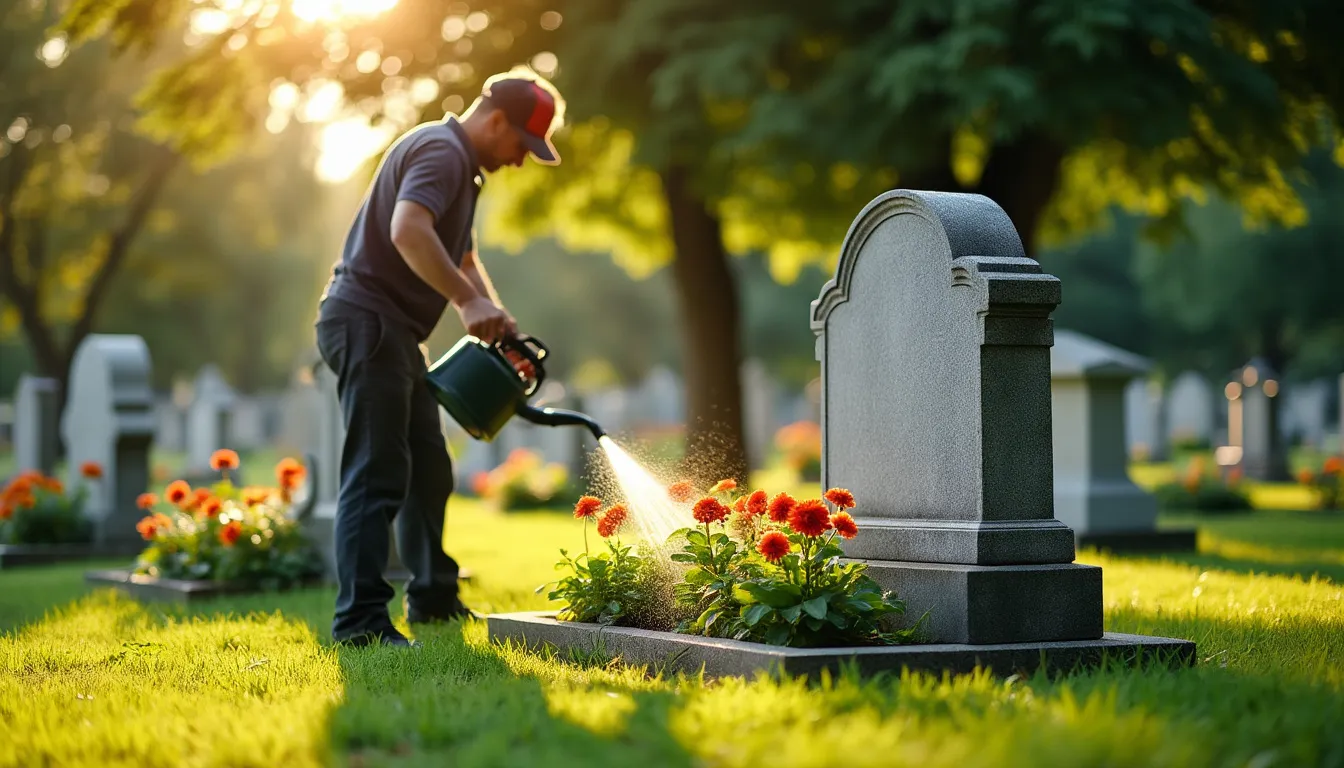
{"x": 1191, "y": 406}
{"x": 37, "y": 420}
{"x": 109, "y": 420}
{"x": 208, "y": 418}
{"x": 1304, "y": 412}
{"x": 1263, "y": 456}
{"x": 1093, "y": 491}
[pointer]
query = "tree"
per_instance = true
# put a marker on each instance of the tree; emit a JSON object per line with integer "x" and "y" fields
{"x": 708, "y": 128}
{"x": 76, "y": 187}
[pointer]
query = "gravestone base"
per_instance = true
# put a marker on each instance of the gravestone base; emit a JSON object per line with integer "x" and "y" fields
{"x": 996, "y": 604}
{"x": 20, "y": 555}
{"x": 1169, "y": 540}
{"x": 154, "y": 589}
{"x": 671, "y": 652}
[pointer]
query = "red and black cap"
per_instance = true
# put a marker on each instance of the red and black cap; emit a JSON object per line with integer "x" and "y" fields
{"x": 529, "y": 108}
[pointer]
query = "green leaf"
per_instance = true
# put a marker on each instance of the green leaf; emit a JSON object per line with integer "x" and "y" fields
{"x": 697, "y": 537}
{"x": 816, "y": 607}
{"x": 774, "y": 594}
{"x": 754, "y": 613}
{"x": 682, "y": 557}
{"x": 777, "y": 635}
{"x": 792, "y": 613}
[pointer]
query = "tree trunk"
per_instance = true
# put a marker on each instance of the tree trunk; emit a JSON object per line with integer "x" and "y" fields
{"x": 1022, "y": 177}
{"x": 708, "y": 302}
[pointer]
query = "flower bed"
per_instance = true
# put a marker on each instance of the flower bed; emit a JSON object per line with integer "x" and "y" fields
{"x": 1204, "y": 489}
{"x": 525, "y": 481}
{"x": 751, "y": 568}
{"x": 41, "y": 522}
{"x": 1326, "y": 483}
{"x": 234, "y": 539}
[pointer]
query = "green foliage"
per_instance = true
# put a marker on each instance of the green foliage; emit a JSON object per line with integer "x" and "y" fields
{"x": 602, "y": 588}
{"x": 36, "y": 509}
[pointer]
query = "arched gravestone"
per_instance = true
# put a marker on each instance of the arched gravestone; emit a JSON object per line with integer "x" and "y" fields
{"x": 109, "y": 419}
{"x": 934, "y": 341}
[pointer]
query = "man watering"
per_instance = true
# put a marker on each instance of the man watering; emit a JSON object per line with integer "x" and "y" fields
{"x": 409, "y": 255}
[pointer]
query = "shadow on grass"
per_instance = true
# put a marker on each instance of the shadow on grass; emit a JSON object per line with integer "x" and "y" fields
{"x": 458, "y": 702}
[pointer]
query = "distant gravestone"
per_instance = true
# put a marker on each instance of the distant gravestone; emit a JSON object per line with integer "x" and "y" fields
{"x": 934, "y": 341}
{"x": 1190, "y": 410}
{"x": 1263, "y": 454}
{"x": 37, "y": 420}
{"x": 1094, "y": 494}
{"x": 1304, "y": 410}
{"x": 759, "y": 394}
{"x": 109, "y": 420}
{"x": 208, "y": 418}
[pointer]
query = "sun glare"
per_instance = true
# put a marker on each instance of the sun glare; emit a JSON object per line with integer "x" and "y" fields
{"x": 334, "y": 10}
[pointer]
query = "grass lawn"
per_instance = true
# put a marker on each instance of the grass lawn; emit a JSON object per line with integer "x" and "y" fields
{"x": 88, "y": 678}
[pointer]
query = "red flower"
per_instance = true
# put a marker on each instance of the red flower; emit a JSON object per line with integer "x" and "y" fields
{"x": 146, "y": 500}
{"x": 147, "y": 527}
{"x": 1333, "y": 466}
{"x": 51, "y": 484}
{"x": 840, "y": 498}
{"x": 709, "y": 510}
{"x": 1305, "y": 477}
{"x": 740, "y": 505}
{"x": 587, "y": 507}
{"x": 177, "y": 492}
{"x": 230, "y": 532}
{"x": 810, "y": 518}
{"x": 726, "y": 484}
{"x": 223, "y": 459}
{"x": 844, "y": 525}
{"x": 681, "y": 492}
{"x": 91, "y": 469}
{"x": 290, "y": 473}
{"x": 780, "y": 507}
{"x": 611, "y": 521}
{"x": 774, "y": 546}
{"x": 6, "y": 511}
{"x": 758, "y": 502}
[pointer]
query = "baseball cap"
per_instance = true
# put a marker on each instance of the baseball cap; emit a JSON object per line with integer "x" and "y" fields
{"x": 529, "y": 108}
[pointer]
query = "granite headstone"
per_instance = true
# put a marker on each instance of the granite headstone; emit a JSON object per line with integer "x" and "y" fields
{"x": 37, "y": 421}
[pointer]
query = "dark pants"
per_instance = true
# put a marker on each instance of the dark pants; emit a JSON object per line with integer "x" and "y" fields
{"x": 395, "y": 466}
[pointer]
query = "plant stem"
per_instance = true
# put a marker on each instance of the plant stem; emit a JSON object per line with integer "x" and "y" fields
{"x": 585, "y": 536}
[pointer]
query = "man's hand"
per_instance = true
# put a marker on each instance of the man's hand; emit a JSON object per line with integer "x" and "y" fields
{"x": 484, "y": 319}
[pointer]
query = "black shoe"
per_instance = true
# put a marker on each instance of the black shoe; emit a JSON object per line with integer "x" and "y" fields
{"x": 456, "y": 612}
{"x": 388, "y": 637}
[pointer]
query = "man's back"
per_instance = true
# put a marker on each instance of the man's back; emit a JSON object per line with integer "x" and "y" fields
{"x": 434, "y": 165}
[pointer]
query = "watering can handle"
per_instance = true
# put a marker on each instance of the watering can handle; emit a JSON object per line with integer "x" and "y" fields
{"x": 520, "y": 344}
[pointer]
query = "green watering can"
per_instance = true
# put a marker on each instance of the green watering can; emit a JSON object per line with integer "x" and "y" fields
{"x": 479, "y": 387}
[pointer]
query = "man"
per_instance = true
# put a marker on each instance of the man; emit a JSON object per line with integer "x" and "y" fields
{"x": 409, "y": 254}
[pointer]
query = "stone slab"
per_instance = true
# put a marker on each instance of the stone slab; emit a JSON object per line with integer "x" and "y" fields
{"x": 996, "y": 604}
{"x": 19, "y": 555}
{"x": 1169, "y": 540}
{"x": 968, "y": 542}
{"x": 153, "y": 589}
{"x": 720, "y": 658}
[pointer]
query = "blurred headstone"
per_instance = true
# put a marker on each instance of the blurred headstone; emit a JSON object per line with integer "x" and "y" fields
{"x": 1304, "y": 410}
{"x": 1263, "y": 454}
{"x": 1094, "y": 494}
{"x": 37, "y": 422}
{"x": 109, "y": 420}
{"x": 758, "y": 405}
{"x": 208, "y": 418}
{"x": 1191, "y": 407}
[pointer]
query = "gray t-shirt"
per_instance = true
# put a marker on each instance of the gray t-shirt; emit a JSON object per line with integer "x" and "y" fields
{"x": 435, "y": 165}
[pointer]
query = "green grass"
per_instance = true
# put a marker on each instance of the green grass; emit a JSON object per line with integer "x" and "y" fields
{"x": 89, "y": 678}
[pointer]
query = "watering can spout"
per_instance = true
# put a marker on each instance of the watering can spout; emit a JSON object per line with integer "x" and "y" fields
{"x": 559, "y": 417}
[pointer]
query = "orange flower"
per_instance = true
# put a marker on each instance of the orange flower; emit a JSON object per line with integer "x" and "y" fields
{"x": 840, "y": 497}
{"x": 740, "y": 505}
{"x": 780, "y": 507}
{"x": 709, "y": 510}
{"x": 1333, "y": 466}
{"x": 253, "y": 496}
{"x": 91, "y": 469}
{"x": 774, "y": 546}
{"x": 211, "y": 506}
{"x": 229, "y": 533}
{"x": 844, "y": 525}
{"x": 20, "y": 484}
{"x": 587, "y": 507}
{"x": 681, "y": 492}
{"x": 290, "y": 473}
{"x": 810, "y": 518}
{"x": 177, "y": 492}
{"x": 480, "y": 483}
{"x": 224, "y": 459}
{"x": 6, "y": 511}
{"x": 51, "y": 484}
{"x": 24, "y": 500}
{"x": 147, "y": 527}
{"x": 758, "y": 502}
{"x": 611, "y": 521}
{"x": 1305, "y": 477}
{"x": 726, "y": 484}
{"x": 146, "y": 500}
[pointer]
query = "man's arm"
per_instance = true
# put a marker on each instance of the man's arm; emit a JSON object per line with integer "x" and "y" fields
{"x": 414, "y": 237}
{"x": 474, "y": 269}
